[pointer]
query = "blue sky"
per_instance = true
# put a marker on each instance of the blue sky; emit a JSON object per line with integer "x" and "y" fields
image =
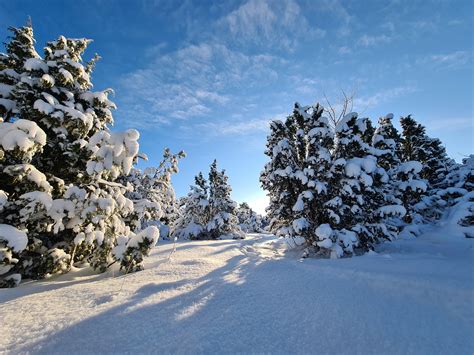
{"x": 207, "y": 77}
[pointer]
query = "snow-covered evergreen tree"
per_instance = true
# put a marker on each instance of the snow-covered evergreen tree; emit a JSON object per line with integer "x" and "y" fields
{"x": 356, "y": 205}
{"x": 312, "y": 176}
{"x": 153, "y": 194}
{"x": 59, "y": 165}
{"x": 386, "y": 143}
{"x": 387, "y": 140}
{"x": 337, "y": 180}
{"x": 418, "y": 146}
{"x": 277, "y": 177}
{"x": 208, "y": 212}
{"x": 249, "y": 220}
{"x": 223, "y": 221}
{"x": 20, "y": 49}
{"x": 194, "y": 215}
{"x": 346, "y": 188}
{"x": 453, "y": 203}
{"x": 409, "y": 188}
{"x": 458, "y": 193}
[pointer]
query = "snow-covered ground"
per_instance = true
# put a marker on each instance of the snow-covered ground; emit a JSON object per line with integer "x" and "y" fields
{"x": 253, "y": 295}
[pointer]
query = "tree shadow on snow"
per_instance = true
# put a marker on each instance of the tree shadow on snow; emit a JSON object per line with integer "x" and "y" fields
{"x": 273, "y": 306}
{"x": 218, "y": 313}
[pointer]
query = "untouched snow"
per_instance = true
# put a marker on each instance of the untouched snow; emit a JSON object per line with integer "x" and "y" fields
{"x": 16, "y": 239}
{"x": 255, "y": 295}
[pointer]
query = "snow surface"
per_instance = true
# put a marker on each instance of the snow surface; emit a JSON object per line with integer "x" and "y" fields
{"x": 255, "y": 295}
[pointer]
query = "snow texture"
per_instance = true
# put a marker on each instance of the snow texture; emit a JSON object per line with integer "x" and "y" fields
{"x": 255, "y": 296}
{"x": 21, "y": 134}
{"x": 36, "y": 64}
{"x": 15, "y": 239}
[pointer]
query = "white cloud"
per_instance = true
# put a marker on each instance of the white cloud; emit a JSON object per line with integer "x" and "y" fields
{"x": 194, "y": 80}
{"x": 368, "y": 41}
{"x": 242, "y": 127}
{"x": 364, "y": 103}
{"x": 449, "y": 60}
{"x": 252, "y": 19}
{"x": 451, "y": 124}
{"x": 455, "y": 22}
{"x": 270, "y": 23}
{"x": 424, "y": 25}
{"x": 212, "y": 96}
{"x": 344, "y": 50}
{"x": 332, "y": 8}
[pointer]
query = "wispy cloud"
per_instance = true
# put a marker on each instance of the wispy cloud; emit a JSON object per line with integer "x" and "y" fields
{"x": 455, "y": 22}
{"x": 448, "y": 60}
{"x": 366, "y": 102}
{"x": 336, "y": 9}
{"x": 368, "y": 40}
{"x": 425, "y": 25}
{"x": 212, "y": 96}
{"x": 192, "y": 81}
{"x": 452, "y": 124}
{"x": 241, "y": 127}
{"x": 344, "y": 50}
{"x": 270, "y": 23}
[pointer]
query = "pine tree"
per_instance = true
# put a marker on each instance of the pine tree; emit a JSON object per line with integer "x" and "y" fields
{"x": 20, "y": 49}
{"x": 268, "y": 179}
{"x": 453, "y": 203}
{"x": 347, "y": 190}
{"x": 60, "y": 173}
{"x": 350, "y": 176}
{"x": 312, "y": 177}
{"x": 195, "y": 214}
{"x": 417, "y": 146}
{"x": 339, "y": 204}
{"x": 369, "y": 132}
{"x": 386, "y": 139}
{"x": 223, "y": 221}
{"x": 410, "y": 189}
{"x": 278, "y": 176}
{"x": 437, "y": 163}
{"x": 386, "y": 143}
{"x": 153, "y": 194}
{"x": 208, "y": 212}
{"x": 249, "y": 220}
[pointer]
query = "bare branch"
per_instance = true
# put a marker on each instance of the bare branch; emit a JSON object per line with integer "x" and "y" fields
{"x": 337, "y": 114}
